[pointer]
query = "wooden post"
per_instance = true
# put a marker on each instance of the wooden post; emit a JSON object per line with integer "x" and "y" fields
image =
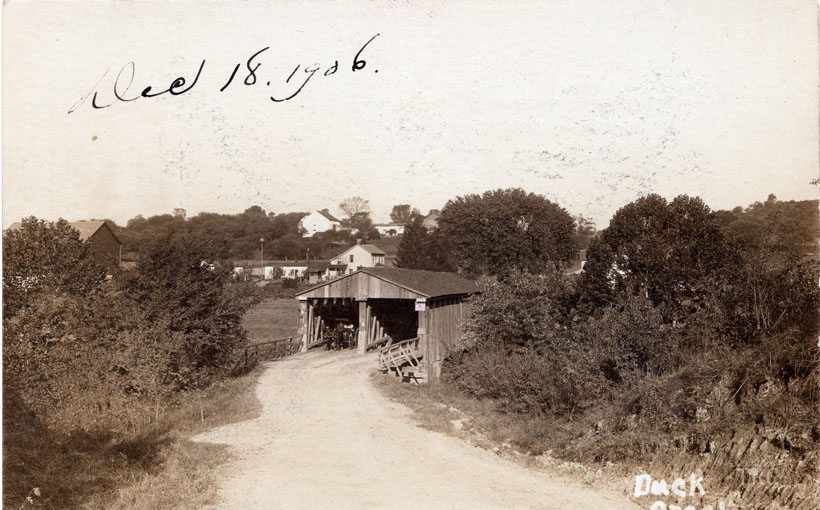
{"x": 302, "y": 331}
{"x": 310, "y": 324}
{"x": 362, "y": 339}
{"x": 424, "y": 339}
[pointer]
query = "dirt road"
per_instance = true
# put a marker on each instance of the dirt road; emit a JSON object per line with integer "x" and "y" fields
{"x": 327, "y": 439}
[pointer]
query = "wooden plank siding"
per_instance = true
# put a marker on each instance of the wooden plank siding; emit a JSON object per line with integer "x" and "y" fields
{"x": 443, "y": 321}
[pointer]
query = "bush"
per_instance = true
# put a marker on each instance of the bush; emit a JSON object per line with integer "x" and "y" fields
{"x": 519, "y": 351}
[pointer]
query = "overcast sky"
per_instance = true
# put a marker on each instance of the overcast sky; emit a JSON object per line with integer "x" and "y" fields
{"x": 590, "y": 103}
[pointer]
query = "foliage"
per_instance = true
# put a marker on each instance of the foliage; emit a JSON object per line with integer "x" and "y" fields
{"x": 41, "y": 256}
{"x": 423, "y": 249}
{"x": 522, "y": 310}
{"x": 180, "y": 289}
{"x": 663, "y": 250}
{"x": 404, "y": 214}
{"x": 507, "y": 230}
{"x": 85, "y": 352}
{"x": 362, "y": 226}
{"x": 236, "y": 235}
{"x": 685, "y": 323}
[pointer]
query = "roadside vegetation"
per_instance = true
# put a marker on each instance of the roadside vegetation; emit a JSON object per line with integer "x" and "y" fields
{"x": 105, "y": 377}
{"x": 689, "y": 333}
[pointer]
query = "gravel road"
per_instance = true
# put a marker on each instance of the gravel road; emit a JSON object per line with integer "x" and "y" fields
{"x": 327, "y": 439}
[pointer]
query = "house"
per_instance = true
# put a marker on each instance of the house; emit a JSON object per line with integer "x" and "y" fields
{"x": 106, "y": 247}
{"x": 430, "y": 221}
{"x": 389, "y": 229}
{"x": 359, "y": 256}
{"x": 418, "y": 313}
{"x": 317, "y": 270}
{"x": 319, "y": 221}
{"x": 270, "y": 269}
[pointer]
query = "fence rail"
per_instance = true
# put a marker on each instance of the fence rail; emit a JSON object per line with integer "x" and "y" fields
{"x": 268, "y": 351}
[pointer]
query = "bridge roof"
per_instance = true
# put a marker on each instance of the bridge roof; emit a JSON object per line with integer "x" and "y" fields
{"x": 392, "y": 283}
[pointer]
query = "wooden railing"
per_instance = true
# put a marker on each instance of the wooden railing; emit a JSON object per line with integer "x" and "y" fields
{"x": 395, "y": 356}
{"x": 268, "y": 351}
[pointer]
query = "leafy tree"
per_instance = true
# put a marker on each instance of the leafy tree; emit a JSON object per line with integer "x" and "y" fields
{"x": 662, "y": 250}
{"x": 180, "y": 288}
{"x": 507, "y": 230}
{"x": 40, "y": 256}
{"x": 254, "y": 209}
{"x": 362, "y": 225}
{"x": 422, "y": 249}
{"x": 403, "y": 214}
{"x": 355, "y": 206}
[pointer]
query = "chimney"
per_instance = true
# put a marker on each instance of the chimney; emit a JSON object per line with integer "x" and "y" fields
{"x": 358, "y": 241}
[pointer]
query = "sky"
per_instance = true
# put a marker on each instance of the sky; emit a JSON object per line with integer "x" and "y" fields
{"x": 589, "y": 103}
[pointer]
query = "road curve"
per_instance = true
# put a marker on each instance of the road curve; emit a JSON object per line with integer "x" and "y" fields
{"x": 327, "y": 439}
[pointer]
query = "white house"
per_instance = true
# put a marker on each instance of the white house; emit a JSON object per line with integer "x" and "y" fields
{"x": 359, "y": 256}
{"x": 431, "y": 220}
{"x": 390, "y": 229}
{"x": 319, "y": 221}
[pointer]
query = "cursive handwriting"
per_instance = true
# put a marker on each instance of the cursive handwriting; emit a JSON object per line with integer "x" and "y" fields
{"x": 301, "y": 76}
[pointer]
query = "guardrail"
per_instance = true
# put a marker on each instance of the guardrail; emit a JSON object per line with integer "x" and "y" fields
{"x": 268, "y": 351}
{"x": 394, "y": 356}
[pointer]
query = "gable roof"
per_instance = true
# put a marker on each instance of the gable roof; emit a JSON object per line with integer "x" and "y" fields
{"x": 87, "y": 228}
{"x": 425, "y": 283}
{"x": 326, "y": 214}
{"x": 318, "y": 265}
{"x": 369, "y": 248}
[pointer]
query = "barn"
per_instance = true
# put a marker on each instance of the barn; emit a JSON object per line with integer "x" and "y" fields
{"x": 414, "y": 314}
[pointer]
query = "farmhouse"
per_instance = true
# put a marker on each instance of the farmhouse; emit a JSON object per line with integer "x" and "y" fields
{"x": 319, "y": 221}
{"x": 359, "y": 256}
{"x": 418, "y": 314}
{"x": 106, "y": 247}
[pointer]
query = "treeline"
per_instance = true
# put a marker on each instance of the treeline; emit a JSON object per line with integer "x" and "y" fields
{"x": 679, "y": 319}
{"x": 237, "y": 236}
{"x": 231, "y": 235}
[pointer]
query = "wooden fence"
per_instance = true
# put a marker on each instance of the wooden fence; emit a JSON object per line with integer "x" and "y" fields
{"x": 268, "y": 351}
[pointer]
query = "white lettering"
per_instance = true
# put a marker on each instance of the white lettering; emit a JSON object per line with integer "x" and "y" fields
{"x": 659, "y": 488}
{"x": 642, "y": 483}
{"x": 658, "y": 505}
{"x": 677, "y": 487}
{"x": 694, "y": 483}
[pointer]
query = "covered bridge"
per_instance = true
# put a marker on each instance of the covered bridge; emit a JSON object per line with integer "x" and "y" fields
{"x": 420, "y": 310}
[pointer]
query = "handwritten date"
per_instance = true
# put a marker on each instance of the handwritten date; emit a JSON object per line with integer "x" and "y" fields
{"x": 121, "y": 90}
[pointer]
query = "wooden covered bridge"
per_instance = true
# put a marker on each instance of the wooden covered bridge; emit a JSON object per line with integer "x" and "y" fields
{"x": 413, "y": 316}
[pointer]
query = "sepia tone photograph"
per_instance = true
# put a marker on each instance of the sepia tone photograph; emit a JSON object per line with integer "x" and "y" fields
{"x": 417, "y": 254}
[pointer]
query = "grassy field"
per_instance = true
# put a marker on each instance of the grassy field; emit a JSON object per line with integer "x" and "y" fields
{"x": 271, "y": 319}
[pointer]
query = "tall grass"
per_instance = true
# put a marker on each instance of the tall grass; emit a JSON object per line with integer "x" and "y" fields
{"x": 152, "y": 467}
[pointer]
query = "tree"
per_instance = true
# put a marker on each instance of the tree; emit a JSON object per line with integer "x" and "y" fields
{"x": 403, "y": 214}
{"x": 665, "y": 251}
{"x": 354, "y": 206}
{"x": 254, "y": 209}
{"x": 362, "y": 224}
{"x": 507, "y": 230}
{"x": 180, "y": 289}
{"x": 422, "y": 249}
{"x": 42, "y": 255}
